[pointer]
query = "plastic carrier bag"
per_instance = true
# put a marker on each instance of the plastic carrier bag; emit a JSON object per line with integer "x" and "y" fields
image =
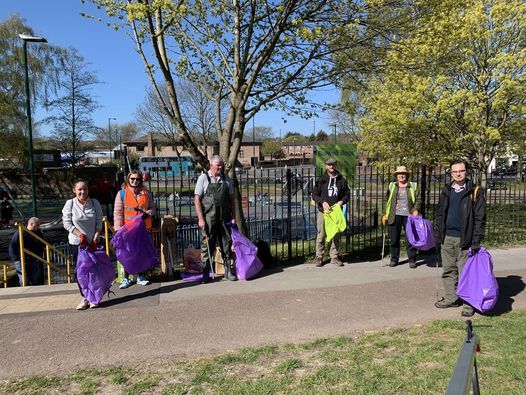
{"x": 95, "y": 274}
{"x": 419, "y": 233}
{"x": 477, "y": 284}
{"x": 134, "y": 247}
{"x": 247, "y": 262}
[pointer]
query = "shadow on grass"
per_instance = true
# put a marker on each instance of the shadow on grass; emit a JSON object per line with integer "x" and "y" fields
{"x": 508, "y": 287}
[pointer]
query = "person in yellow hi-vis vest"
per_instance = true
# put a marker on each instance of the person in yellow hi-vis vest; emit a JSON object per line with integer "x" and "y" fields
{"x": 330, "y": 189}
{"x": 403, "y": 199}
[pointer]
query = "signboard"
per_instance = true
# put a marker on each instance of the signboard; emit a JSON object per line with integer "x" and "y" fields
{"x": 345, "y": 154}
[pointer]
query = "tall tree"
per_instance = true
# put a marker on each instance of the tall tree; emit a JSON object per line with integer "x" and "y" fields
{"x": 256, "y": 53}
{"x": 197, "y": 111}
{"x": 43, "y": 66}
{"x": 273, "y": 148}
{"x": 457, "y": 80}
{"x": 72, "y": 110}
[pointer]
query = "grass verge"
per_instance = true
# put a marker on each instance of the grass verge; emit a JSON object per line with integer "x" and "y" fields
{"x": 418, "y": 360}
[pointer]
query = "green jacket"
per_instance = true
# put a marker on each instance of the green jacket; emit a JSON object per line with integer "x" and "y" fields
{"x": 391, "y": 197}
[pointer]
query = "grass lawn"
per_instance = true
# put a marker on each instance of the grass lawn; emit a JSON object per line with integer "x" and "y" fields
{"x": 418, "y": 360}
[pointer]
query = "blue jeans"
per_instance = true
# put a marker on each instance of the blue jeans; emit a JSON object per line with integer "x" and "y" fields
{"x": 34, "y": 272}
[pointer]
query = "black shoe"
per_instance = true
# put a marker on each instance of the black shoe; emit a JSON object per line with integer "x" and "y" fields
{"x": 393, "y": 263}
{"x": 412, "y": 264}
{"x": 442, "y": 304}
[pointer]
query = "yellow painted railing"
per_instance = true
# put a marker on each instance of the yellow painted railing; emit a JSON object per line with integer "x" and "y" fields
{"x": 47, "y": 261}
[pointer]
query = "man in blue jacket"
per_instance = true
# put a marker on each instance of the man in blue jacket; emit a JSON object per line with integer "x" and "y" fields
{"x": 330, "y": 189}
{"x": 460, "y": 222}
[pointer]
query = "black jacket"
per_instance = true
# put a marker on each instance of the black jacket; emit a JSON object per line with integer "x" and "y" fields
{"x": 320, "y": 192}
{"x": 473, "y": 212}
{"x": 30, "y": 243}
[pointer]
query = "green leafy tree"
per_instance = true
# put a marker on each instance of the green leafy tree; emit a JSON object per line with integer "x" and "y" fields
{"x": 72, "y": 110}
{"x": 273, "y": 148}
{"x": 322, "y": 136}
{"x": 452, "y": 87}
{"x": 43, "y": 66}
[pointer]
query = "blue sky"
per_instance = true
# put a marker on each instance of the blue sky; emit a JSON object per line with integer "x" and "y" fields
{"x": 112, "y": 56}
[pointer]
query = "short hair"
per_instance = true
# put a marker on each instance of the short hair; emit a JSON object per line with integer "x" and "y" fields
{"x": 33, "y": 220}
{"x": 216, "y": 157}
{"x": 459, "y": 161}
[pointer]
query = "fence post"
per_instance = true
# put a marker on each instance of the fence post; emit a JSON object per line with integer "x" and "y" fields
{"x": 289, "y": 213}
{"x": 423, "y": 191}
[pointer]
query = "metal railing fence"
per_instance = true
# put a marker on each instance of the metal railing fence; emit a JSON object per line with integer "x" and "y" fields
{"x": 277, "y": 206}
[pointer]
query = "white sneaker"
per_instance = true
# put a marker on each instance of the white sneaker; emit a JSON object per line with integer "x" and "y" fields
{"x": 125, "y": 283}
{"x": 83, "y": 305}
{"x": 141, "y": 280}
{"x": 93, "y": 306}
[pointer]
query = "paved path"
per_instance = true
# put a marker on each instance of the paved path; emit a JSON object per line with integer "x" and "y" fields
{"x": 41, "y": 333}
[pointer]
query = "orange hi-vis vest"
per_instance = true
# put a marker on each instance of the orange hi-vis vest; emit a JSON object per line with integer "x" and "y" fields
{"x": 130, "y": 202}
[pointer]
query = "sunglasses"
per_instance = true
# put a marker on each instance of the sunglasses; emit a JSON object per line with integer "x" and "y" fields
{"x": 134, "y": 179}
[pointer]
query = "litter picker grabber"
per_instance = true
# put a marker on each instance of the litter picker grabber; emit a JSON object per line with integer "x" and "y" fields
{"x": 437, "y": 272}
{"x": 210, "y": 258}
{"x": 382, "y": 255}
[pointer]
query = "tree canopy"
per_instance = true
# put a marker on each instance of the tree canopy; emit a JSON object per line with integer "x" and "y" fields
{"x": 43, "y": 65}
{"x": 453, "y": 85}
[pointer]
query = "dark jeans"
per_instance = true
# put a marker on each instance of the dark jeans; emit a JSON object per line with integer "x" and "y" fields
{"x": 34, "y": 272}
{"x": 74, "y": 252}
{"x": 395, "y": 232}
{"x": 219, "y": 236}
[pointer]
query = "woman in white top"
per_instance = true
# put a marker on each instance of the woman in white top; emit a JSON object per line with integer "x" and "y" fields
{"x": 82, "y": 218}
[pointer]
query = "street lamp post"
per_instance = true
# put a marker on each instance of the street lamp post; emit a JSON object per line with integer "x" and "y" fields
{"x": 254, "y": 140}
{"x": 109, "y": 134}
{"x": 27, "y": 38}
{"x": 334, "y": 126}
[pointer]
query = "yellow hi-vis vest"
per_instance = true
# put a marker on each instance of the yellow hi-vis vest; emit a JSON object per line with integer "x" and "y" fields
{"x": 334, "y": 222}
{"x": 392, "y": 186}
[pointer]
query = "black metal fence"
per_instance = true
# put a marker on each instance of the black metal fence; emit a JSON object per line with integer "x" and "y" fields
{"x": 277, "y": 206}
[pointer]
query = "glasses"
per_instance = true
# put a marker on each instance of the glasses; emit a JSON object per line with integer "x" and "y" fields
{"x": 135, "y": 179}
{"x": 458, "y": 171}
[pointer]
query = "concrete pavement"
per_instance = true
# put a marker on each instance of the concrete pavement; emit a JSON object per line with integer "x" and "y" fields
{"x": 43, "y": 334}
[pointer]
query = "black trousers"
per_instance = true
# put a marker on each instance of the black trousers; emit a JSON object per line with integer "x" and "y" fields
{"x": 74, "y": 252}
{"x": 395, "y": 232}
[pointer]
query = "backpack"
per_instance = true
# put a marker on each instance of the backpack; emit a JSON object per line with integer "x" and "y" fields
{"x": 264, "y": 254}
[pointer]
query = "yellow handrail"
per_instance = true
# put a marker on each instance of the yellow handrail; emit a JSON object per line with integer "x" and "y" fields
{"x": 47, "y": 261}
{"x": 108, "y": 230}
{"x": 5, "y": 266}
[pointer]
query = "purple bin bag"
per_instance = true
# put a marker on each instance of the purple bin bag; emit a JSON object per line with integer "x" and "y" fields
{"x": 134, "y": 248}
{"x": 419, "y": 233}
{"x": 477, "y": 284}
{"x": 186, "y": 276}
{"x": 247, "y": 262}
{"x": 95, "y": 274}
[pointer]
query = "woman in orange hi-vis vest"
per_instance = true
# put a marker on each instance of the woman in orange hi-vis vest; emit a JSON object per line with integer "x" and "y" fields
{"x": 132, "y": 199}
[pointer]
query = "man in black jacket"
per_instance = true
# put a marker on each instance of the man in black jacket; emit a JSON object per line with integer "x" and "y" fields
{"x": 330, "y": 189}
{"x": 460, "y": 222}
{"x": 34, "y": 268}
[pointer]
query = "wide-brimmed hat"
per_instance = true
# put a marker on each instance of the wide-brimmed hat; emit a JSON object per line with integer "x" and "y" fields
{"x": 400, "y": 170}
{"x": 330, "y": 161}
